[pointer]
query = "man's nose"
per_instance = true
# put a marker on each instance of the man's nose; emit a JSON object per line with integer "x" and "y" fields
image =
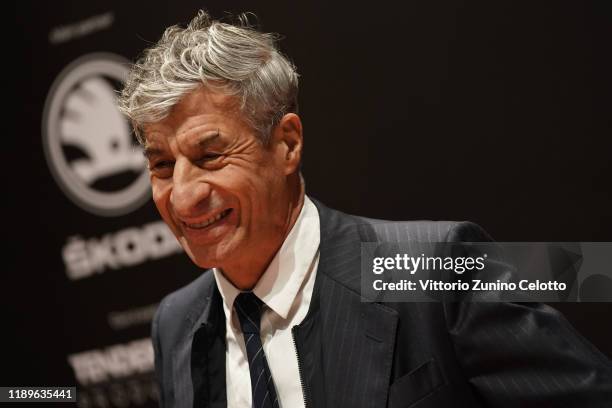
{"x": 189, "y": 190}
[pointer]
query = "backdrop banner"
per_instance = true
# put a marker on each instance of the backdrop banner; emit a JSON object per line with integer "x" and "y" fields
{"x": 493, "y": 113}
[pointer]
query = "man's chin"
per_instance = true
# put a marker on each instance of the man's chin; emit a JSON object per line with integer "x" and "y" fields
{"x": 203, "y": 262}
{"x": 210, "y": 258}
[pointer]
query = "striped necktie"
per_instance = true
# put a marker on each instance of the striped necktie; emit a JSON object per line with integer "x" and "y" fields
{"x": 249, "y": 308}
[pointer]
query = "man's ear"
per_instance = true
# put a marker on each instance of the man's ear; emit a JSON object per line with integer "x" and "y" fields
{"x": 287, "y": 141}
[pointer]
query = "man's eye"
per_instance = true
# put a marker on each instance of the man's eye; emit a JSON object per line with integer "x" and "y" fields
{"x": 209, "y": 158}
{"x": 162, "y": 165}
{"x": 162, "y": 169}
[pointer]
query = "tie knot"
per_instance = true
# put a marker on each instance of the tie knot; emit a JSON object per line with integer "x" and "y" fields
{"x": 248, "y": 308}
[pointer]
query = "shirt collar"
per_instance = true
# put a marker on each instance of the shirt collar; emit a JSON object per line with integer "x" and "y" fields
{"x": 282, "y": 280}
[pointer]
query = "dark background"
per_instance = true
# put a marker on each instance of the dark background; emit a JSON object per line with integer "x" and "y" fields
{"x": 494, "y": 112}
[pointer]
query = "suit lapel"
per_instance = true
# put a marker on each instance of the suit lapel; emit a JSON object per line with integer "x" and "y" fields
{"x": 208, "y": 357}
{"x": 358, "y": 337}
{"x": 203, "y": 350}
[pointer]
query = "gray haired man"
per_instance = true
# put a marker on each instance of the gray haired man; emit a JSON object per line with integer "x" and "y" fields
{"x": 277, "y": 318}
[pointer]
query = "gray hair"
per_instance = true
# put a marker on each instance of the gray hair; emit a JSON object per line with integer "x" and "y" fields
{"x": 235, "y": 59}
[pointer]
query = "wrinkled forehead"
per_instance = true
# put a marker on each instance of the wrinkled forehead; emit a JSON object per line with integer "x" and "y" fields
{"x": 207, "y": 97}
{"x": 201, "y": 102}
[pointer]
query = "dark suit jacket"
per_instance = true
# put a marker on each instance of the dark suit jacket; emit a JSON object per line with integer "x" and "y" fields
{"x": 357, "y": 354}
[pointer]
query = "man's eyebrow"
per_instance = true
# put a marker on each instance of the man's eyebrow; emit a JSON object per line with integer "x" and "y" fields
{"x": 149, "y": 152}
{"x": 209, "y": 139}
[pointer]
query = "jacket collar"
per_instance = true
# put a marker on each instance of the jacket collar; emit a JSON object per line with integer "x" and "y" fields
{"x": 350, "y": 324}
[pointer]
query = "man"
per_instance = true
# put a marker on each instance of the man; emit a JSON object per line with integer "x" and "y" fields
{"x": 277, "y": 319}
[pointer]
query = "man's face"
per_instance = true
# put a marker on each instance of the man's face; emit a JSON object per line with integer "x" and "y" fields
{"x": 223, "y": 193}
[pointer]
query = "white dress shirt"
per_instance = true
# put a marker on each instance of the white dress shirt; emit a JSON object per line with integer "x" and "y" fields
{"x": 286, "y": 290}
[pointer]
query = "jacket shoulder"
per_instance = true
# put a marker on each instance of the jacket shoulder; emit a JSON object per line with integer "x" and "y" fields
{"x": 421, "y": 230}
{"x": 412, "y": 230}
{"x": 334, "y": 222}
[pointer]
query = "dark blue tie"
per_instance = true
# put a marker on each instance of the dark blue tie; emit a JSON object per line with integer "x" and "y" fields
{"x": 248, "y": 308}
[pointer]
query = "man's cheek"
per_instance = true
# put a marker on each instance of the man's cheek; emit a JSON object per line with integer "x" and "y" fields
{"x": 160, "y": 194}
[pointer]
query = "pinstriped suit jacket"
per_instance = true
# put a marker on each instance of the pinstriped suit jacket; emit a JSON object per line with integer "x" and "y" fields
{"x": 361, "y": 354}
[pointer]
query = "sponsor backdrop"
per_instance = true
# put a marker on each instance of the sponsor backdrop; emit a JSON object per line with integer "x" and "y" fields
{"x": 499, "y": 114}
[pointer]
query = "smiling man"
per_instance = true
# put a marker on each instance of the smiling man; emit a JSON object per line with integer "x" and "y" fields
{"x": 229, "y": 196}
{"x": 277, "y": 319}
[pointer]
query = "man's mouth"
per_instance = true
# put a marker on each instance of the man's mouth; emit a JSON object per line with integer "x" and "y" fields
{"x": 210, "y": 221}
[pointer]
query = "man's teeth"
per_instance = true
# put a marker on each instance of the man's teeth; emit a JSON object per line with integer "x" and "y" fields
{"x": 209, "y": 221}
